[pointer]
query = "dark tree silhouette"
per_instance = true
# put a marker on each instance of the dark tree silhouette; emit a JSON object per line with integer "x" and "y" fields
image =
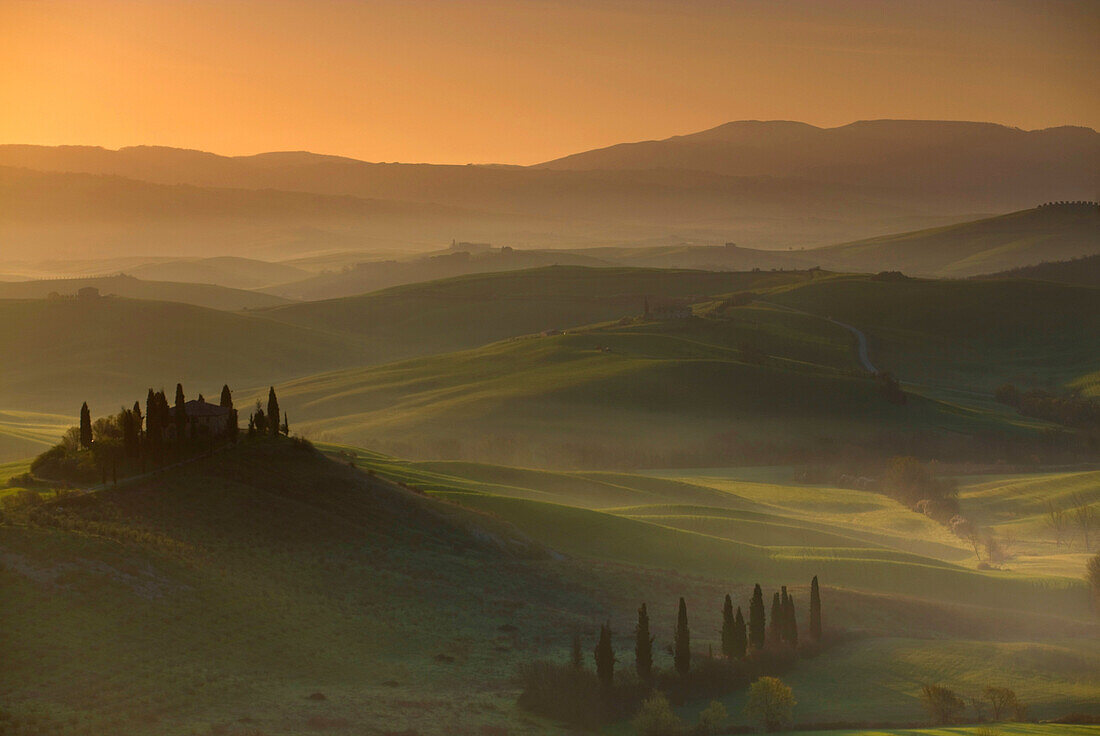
{"x": 643, "y": 647}
{"x": 756, "y": 618}
{"x": 775, "y": 626}
{"x": 285, "y": 429}
{"x": 790, "y": 633}
{"x": 136, "y": 411}
{"x": 273, "y": 412}
{"x": 605, "y": 657}
{"x": 85, "y": 426}
{"x": 227, "y": 397}
{"x": 728, "y": 629}
{"x": 815, "y": 610}
{"x": 682, "y": 644}
{"x": 181, "y": 414}
{"x": 740, "y": 640}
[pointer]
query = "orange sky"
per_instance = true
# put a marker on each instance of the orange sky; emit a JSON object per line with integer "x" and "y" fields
{"x": 521, "y": 81}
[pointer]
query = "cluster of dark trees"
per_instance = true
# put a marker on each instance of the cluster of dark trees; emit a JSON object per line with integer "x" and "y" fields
{"x": 764, "y": 644}
{"x": 890, "y": 388}
{"x": 133, "y": 440}
{"x": 1073, "y": 410}
{"x": 946, "y": 707}
{"x": 268, "y": 423}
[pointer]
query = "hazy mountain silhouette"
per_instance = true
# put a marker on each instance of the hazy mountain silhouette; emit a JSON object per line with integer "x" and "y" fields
{"x": 762, "y": 185}
{"x": 995, "y": 164}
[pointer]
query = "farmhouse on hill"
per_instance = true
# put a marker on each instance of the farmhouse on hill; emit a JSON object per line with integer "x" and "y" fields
{"x": 205, "y": 419}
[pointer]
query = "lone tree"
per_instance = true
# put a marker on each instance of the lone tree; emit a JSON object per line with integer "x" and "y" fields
{"x": 728, "y": 625}
{"x": 273, "y": 413}
{"x": 682, "y": 651}
{"x": 85, "y": 426}
{"x": 770, "y": 703}
{"x": 1092, "y": 574}
{"x": 1002, "y": 702}
{"x": 227, "y": 397}
{"x": 605, "y": 657}
{"x": 942, "y": 704}
{"x": 643, "y": 647}
{"x": 815, "y": 610}
{"x": 576, "y": 657}
{"x": 756, "y": 618}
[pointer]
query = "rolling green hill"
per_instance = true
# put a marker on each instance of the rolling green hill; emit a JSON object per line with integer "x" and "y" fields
{"x": 199, "y": 294}
{"x": 641, "y": 394}
{"x": 222, "y": 594}
{"x": 1083, "y": 271}
{"x": 1050, "y": 233}
{"x": 965, "y": 334}
{"x": 109, "y": 350}
{"x": 469, "y": 311}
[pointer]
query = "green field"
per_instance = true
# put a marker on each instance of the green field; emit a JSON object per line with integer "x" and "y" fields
{"x": 234, "y": 587}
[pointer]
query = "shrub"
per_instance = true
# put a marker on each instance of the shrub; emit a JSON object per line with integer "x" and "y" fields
{"x": 657, "y": 719}
{"x": 770, "y": 704}
{"x": 711, "y": 719}
{"x": 943, "y": 705}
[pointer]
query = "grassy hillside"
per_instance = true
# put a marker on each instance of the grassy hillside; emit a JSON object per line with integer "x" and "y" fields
{"x": 220, "y": 595}
{"x": 371, "y": 274}
{"x": 234, "y": 272}
{"x": 645, "y": 394}
{"x": 109, "y": 350}
{"x": 200, "y": 294}
{"x": 1051, "y": 233}
{"x": 1083, "y": 271}
{"x": 965, "y": 334}
{"x": 469, "y": 311}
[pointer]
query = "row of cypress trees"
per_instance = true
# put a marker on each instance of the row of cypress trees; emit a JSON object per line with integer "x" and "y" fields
{"x": 739, "y": 638}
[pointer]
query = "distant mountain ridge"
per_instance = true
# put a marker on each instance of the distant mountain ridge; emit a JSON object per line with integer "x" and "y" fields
{"x": 897, "y": 153}
{"x": 761, "y": 184}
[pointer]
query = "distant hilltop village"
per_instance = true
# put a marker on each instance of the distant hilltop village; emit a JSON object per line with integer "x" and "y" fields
{"x": 1076, "y": 203}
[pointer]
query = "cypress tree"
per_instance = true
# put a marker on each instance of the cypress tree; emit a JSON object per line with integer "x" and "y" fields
{"x": 643, "y": 647}
{"x": 129, "y": 433}
{"x": 792, "y": 623}
{"x": 180, "y": 414}
{"x": 273, "y": 412}
{"x": 740, "y": 641}
{"x": 576, "y": 657}
{"x": 286, "y": 425}
{"x": 136, "y": 411}
{"x": 775, "y": 626}
{"x": 729, "y": 647}
{"x": 85, "y": 426}
{"x": 682, "y": 644}
{"x": 605, "y": 657}
{"x": 756, "y": 618}
{"x": 227, "y": 397}
{"x": 815, "y": 610}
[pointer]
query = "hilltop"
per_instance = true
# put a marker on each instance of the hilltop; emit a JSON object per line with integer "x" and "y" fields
{"x": 468, "y": 311}
{"x": 926, "y": 157}
{"x": 98, "y": 350}
{"x": 1083, "y": 271}
{"x": 1054, "y": 232}
{"x": 776, "y": 379}
{"x": 125, "y": 285}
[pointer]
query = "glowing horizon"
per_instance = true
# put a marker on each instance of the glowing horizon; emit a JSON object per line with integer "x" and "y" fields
{"x": 521, "y": 82}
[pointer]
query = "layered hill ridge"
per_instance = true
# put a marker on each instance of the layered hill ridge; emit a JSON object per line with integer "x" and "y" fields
{"x": 758, "y": 183}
